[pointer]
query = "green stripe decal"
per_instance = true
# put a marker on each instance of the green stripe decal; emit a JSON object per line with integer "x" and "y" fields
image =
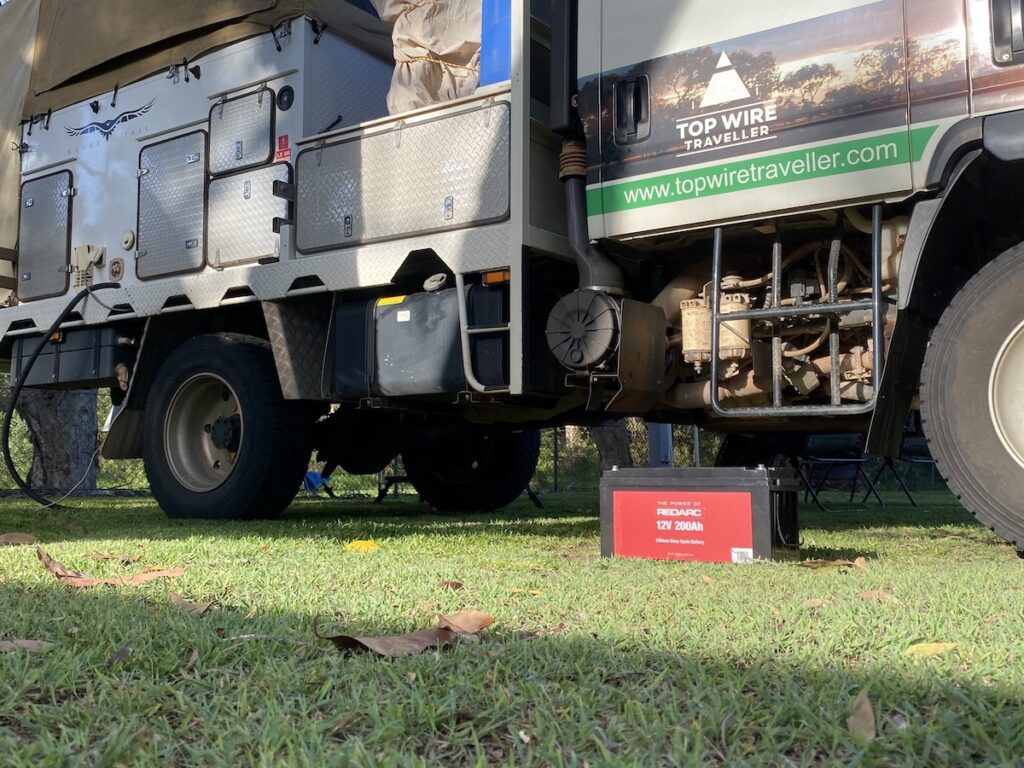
{"x": 852, "y": 156}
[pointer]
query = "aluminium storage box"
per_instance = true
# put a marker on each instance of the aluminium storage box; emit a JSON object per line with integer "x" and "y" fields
{"x": 705, "y": 514}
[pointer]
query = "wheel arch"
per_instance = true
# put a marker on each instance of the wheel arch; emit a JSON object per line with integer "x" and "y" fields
{"x": 161, "y": 336}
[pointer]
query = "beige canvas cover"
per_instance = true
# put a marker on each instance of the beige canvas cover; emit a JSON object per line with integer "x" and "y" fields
{"x": 437, "y": 50}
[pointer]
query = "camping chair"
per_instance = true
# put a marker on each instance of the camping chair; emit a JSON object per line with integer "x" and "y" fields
{"x": 913, "y": 450}
{"x": 836, "y": 457}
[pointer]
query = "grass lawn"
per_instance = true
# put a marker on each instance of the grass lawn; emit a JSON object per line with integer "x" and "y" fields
{"x": 590, "y": 662}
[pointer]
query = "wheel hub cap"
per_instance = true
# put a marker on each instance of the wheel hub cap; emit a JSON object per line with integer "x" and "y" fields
{"x": 1006, "y": 395}
{"x": 203, "y": 433}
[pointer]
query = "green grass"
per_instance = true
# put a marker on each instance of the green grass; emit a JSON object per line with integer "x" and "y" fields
{"x": 590, "y": 662}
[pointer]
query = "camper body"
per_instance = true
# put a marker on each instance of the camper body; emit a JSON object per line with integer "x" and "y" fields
{"x": 767, "y": 219}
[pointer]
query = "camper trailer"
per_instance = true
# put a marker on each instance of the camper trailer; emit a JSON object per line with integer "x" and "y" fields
{"x": 365, "y": 229}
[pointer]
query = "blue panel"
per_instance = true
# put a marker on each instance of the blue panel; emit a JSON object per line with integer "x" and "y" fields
{"x": 496, "y": 42}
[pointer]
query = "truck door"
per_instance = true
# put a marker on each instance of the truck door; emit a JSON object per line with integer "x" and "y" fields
{"x": 712, "y": 110}
{"x": 997, "y": 55}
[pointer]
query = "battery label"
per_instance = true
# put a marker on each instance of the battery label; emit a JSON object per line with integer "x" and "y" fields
{"x": 707, "y": 527}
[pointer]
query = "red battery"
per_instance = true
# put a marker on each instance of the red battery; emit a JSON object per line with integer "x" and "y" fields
{"x": 706, "y": 515}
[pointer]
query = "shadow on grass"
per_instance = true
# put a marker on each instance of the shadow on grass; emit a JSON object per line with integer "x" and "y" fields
{"x": 190, "y": 692}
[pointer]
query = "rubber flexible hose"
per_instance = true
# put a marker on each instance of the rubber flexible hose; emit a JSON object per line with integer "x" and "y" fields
{"x": 5, "y": 435}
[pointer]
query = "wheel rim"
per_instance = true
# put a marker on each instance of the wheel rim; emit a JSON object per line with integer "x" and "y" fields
{"x": 203, "y": 433}
{"x": 1006, "y": 394}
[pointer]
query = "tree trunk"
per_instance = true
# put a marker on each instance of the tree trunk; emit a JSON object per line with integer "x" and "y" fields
{"x": 62, "y": 430}
{"x": 612, "y": 442}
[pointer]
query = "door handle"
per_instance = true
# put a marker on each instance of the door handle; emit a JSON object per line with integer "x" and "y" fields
{"x": 1007, "y": 31}
{"x": 632, "y": 99}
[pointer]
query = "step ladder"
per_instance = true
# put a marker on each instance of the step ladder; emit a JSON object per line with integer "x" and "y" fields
{"x": 467, "y": 332}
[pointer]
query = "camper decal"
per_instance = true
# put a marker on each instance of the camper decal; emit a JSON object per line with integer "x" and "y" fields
{"x": 827, "y": 79}
{"x": 107, "y": 127}
{"x": 729, "y": 114}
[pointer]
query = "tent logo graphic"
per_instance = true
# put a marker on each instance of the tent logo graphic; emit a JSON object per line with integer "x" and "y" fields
{"x": 729, "y": 115}
{"x": 725, "y": 86}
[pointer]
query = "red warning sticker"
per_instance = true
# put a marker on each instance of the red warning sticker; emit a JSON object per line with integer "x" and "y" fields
{"x": 706, "y": 527}
{"x": 284, "y": 150}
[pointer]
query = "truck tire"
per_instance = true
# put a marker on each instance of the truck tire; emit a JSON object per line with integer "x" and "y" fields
{"x": 219, "y": 440}
{"x": 972, "y": 396}
{"x": 478, "y": 473}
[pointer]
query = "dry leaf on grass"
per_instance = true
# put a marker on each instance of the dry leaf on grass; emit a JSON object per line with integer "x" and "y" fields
{"x": 861, "y": 563}
{"x": 121, "y": 558}
{"x": 464, "y": 624}
{"x": 452, "y": 585}
{"x": 192, "y": 660}
{"x": 707, "y": 580}
{"x": 77, "y": 579}
{"x": 17, "y": 539}
{"x": 877, "y": 596}
{"x": 921, "y": 650}
{"x": 862, "y": 717}
{"x": 362, "y": 547}
{"x": 8, "y": 646}
{"x": 251, "y": 613}
{"x": 530, "y": 592}
{"x": 196, "y": 609}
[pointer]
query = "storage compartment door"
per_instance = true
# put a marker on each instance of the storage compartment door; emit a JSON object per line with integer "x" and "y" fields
{"x": 172, "y": 207}
{"x": 713, "y": 110}
{"x": 444, "y": 173}
{"x": 44, "y": 236}
{"x": 242, "y": 212}
{"x": 242, "y": 132}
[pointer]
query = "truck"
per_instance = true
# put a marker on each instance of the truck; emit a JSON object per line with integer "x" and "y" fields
{"x": 365, "y": 229}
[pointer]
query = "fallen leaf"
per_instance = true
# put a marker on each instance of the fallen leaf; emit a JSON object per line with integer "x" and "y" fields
{"x": 75, "y": 528}
{"x": 524, "y": 737}
{"x": 192, "y": 660}
{"x": 921, "y": 650}
{"x": 530, "y": 592}
{"x": 877, "y": 596}
{"x": 7, "y": 646}
{"x": 121, "y": 558}
{"x": 362, "y": 547}
{"x": 196, "y": 609}
{"x": 17, "y": 539}
{"x": 77, "y": 579}
{"x": 120, "y": 656}
{"x": 251, "y": 613}
{"x": 862, "y": 717}
{"x": 861, "y": 563}
{"x": 464, "y": 624}
{"x": 815, "y": 603}
{"x": 411, "y": 678}
{"x": 707, "y": 580}
{"x": 452, "y": 585}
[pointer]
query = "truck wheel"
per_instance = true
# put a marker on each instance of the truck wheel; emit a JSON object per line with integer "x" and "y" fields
{"x": 972, "y": 396}
{"x": 477, "y": 473}
{"x": 219, "y": 441}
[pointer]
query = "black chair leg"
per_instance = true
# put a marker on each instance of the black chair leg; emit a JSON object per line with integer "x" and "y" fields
{"x": 871, "y": 486}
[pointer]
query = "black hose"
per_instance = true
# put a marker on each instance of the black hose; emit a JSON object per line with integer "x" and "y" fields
{"x": 5, "y": 435}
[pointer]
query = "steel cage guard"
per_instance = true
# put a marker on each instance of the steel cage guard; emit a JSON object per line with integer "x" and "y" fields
{"x": 775, "y": 314}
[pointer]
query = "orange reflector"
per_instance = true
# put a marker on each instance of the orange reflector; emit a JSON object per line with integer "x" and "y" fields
{"x": 497, "y": 277}
{"x": 57, "y": 337}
